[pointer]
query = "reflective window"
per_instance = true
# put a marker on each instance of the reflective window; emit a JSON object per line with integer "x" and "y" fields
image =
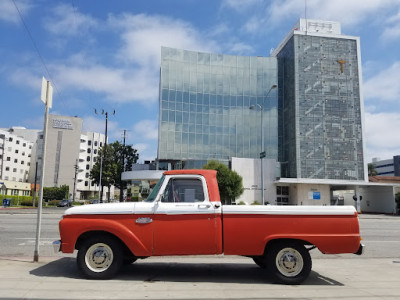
{"x": 216, "y": 92}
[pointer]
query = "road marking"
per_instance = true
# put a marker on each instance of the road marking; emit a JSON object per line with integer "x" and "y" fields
{"x": 32, "y": 241}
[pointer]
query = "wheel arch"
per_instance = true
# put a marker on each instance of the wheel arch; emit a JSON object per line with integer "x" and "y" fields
{"x": 73, "y": 230}
{"x": 279, "y": 240}
{"x": 99, "y": 233}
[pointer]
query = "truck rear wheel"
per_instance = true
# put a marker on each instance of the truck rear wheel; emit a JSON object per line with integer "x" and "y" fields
{"x": 288, "y": 262}
{"x": 100, "y": 257}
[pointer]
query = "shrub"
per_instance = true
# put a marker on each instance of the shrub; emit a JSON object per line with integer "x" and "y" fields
{"x": 18, "y": 200}
{"x": 53, "y": 202}
{"x": 26, "y": 202}
{"x": 135, "y": 198}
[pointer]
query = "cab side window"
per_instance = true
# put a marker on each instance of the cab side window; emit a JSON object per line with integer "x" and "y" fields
{"x": 184, "y": 190}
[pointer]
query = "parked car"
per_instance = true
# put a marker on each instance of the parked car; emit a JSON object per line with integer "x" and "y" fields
{"x": 94, "y": 201}
{"x": 65, "y": 203}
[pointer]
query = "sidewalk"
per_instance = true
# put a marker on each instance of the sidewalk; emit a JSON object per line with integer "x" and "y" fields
{"x": 198, "y": 278}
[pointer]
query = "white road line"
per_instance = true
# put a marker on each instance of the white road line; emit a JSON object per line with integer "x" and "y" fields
{"x": 32, "y": 241}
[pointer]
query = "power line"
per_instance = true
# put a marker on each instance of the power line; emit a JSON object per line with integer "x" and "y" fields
{"x": 36, "y": 48}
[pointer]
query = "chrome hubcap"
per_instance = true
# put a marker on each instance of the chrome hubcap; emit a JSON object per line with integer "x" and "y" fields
{"x": 289, "y": 262}
{"x": 99, "y": 257}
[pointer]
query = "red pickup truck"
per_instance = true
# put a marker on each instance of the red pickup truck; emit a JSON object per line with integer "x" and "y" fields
{"x": 183, "y": 215}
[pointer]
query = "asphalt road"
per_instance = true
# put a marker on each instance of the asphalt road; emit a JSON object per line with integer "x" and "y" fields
{"x": 18, "y": 231}
{"x": 381, "y": 234}
{"x": 373, "y": 275}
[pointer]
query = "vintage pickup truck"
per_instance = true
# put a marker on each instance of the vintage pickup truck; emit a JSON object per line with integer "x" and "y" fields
{"x": 183, "y": 215}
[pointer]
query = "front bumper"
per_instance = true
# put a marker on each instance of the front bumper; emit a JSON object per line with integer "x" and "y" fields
{"x": 360, "y": 250}
{"x": 57, "y": 246}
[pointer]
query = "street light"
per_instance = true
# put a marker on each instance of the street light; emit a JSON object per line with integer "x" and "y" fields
{"x": 262, "y": 153}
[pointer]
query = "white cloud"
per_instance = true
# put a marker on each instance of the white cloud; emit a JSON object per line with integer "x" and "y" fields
{"x": 392, "y": 30}
{"x": 385, "y": 85}
{"x": 240, "y": 5}
{"x": 117, "y": 84}
{"x": 146, "y": 151}
{"x": 8, "y": 12}
{"x": 97, "y": 124}
{"x": 147, "y": 129}
{"x": 381, "y": 132}
{"x": 26, "y": 77}
{"x": 137, "y": 78}
{"x": 66, "y": 20}
{"x": 348, "y": 13}
{"x": 241, "y": 48}
{"x": 143, "y": 36}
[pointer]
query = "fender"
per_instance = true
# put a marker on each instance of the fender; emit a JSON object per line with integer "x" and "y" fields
{"x": 326, "y": 243}
{"x": 73, "y": 227}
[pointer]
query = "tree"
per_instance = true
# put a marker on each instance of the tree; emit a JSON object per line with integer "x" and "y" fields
{"x": 125, "y": 157}
{"x": 55, "y": 193}
{"x": 371, "y": 170}
{"x": 229, "y": 182}
{"x": 117, "y": 159}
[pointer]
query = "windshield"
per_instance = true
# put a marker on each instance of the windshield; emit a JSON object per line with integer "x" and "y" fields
{"x": 154, "y": 192}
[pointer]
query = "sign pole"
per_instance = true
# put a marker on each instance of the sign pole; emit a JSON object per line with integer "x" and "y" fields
{"x": 47, "y": 92}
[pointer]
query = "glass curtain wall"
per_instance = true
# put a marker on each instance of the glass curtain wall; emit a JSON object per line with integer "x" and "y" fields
{"x": 205, "y": 104}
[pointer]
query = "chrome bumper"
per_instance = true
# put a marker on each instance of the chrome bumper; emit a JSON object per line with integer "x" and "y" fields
{"x": 57, "y": 246}
{"x": 360, "y": 250}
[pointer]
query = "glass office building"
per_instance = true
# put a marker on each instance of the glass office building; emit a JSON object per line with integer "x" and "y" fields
{"x": 320, "y": 104}
{"x": 205, "y": 113}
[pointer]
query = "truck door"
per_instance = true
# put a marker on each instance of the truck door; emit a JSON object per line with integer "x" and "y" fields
{"x": 184, "y": 219}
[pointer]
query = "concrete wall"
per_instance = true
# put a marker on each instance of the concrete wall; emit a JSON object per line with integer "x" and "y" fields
{"x": 307, "y": 194}
{"x": 62, "y": 150}
{"x": 250, "y": 170}
{"x": 378, "y": 199}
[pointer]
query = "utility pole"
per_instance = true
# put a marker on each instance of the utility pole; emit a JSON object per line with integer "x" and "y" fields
{"x": 123, "y": 152}
{"x": 104, "y": 154}
{"x": 121, "y": 193}
{"x": 76, "y": 173}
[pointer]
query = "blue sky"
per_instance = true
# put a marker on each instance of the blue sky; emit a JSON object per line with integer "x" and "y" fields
{"x": 106, "y": 55}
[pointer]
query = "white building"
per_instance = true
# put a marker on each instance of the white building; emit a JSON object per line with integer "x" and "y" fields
{"x": 15, "y": 157}
{"x": 90, "y": 143}
{"x": 387, "y": 167}
{"x": 70, "y": 156}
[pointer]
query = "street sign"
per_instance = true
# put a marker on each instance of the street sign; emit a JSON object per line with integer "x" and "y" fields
{"x": 262, "y": 154}
{"x": 47, "y": 94}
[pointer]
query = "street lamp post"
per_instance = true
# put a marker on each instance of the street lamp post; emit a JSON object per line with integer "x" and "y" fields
{"x": 262, "y": 152}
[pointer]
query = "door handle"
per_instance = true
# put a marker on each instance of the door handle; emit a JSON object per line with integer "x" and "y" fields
{"x": 204, "y": 206}
{"x": 143, "y": 220}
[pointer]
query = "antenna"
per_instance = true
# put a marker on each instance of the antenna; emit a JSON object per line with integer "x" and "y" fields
{"x": 305, "y": 15}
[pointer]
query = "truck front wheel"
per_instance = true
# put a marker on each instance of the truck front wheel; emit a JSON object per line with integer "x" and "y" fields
{"x": 288, "y": 262}
{"x": 100, "y": 257}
